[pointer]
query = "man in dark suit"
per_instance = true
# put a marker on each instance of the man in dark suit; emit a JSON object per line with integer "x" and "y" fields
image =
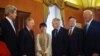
{"x": 59, "y": 39}
{"x": 26, "y": 39}
{"x": 75, "y": 36}
{"x": 92, "y": 35}
{"x": 7, "y": 29}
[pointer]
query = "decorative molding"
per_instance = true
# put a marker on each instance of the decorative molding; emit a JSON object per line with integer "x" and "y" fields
{"x": 48, "y": 2}
{"x": 59, "y": 3}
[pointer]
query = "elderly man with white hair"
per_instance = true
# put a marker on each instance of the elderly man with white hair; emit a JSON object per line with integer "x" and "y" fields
{"x": 91, "y": 34}
{"x": 26, "y": 39}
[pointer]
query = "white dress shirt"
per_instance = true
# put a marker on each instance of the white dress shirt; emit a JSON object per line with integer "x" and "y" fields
{"x": 71, "y": 30}
{"x": 11, "y": 22}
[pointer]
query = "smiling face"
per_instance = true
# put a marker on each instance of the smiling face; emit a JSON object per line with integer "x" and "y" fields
{"x": 88, "y": 15}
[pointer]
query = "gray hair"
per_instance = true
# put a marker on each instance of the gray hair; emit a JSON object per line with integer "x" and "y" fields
{"x": 10, "y": 9}
{"x": 29, "y": 20}
{"x": 56, "y": 19}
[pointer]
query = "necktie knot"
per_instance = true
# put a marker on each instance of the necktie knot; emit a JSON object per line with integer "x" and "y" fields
{"x": 56, "y": 31}
{"x": 70, "y": 31}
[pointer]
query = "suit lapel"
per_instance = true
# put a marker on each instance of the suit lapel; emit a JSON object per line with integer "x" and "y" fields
{"x": 91, "y": 26}
{"x": 59, "y": 31}
{"x": 29, "y": 33}
{"x": 73, "y": 31}
{"x": 9, "y": 25}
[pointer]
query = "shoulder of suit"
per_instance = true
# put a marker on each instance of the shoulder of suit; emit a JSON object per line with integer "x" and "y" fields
{"x": 4, "y": 21}
{"x": 24, "y": 30}
{"x": 95, "y": 23}
{"x": 78, "y": 28}
{"x": 62, "y": 28}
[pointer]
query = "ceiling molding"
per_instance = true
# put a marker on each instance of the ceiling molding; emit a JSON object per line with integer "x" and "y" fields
{"x": 73, "y": 6}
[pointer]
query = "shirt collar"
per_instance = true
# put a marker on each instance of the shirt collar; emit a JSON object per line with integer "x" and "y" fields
{"x": 9, "y": 19}
{"x": 58, "y": 28}
{"x": 28, "y": 28}
{"x": 88, "y": 23}
{"x": 72, "y": 28}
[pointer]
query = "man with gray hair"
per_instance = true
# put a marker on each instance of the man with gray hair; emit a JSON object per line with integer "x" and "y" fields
{"x": 8, "y": 31}
{"x": 26, "y": 39}
{"x": 59, "y": 39}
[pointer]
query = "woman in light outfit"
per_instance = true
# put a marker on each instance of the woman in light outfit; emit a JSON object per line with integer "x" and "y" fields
{"x": 43, "y": 42}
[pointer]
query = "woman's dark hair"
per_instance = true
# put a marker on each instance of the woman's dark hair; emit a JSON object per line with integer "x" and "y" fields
{"x": 42, "y": 25}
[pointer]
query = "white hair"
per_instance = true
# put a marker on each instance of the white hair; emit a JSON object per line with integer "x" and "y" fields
{"x": 88, "y": 11}
{"x": 10, "y": 9}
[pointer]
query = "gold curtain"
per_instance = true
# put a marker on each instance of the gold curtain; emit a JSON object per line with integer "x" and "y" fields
{"x": 48, "y": 2}
{"x": 46, "y": 12}
{"x": 63, "y": 17}
{"x": 59, "y": 3}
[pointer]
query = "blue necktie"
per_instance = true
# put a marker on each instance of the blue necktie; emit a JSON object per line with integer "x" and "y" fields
{"x": 87, "y": 27}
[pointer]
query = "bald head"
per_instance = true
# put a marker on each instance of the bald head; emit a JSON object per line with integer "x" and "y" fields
{"x": 88, "y": 15}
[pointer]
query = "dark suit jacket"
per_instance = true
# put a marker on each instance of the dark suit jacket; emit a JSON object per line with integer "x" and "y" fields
{"x": 26, "y": 42}
{"x": 59, "y": 43}
{"x": 8, "y": 35}
{"x": 92, "y": 39}
{"x": 75, "y": 42}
